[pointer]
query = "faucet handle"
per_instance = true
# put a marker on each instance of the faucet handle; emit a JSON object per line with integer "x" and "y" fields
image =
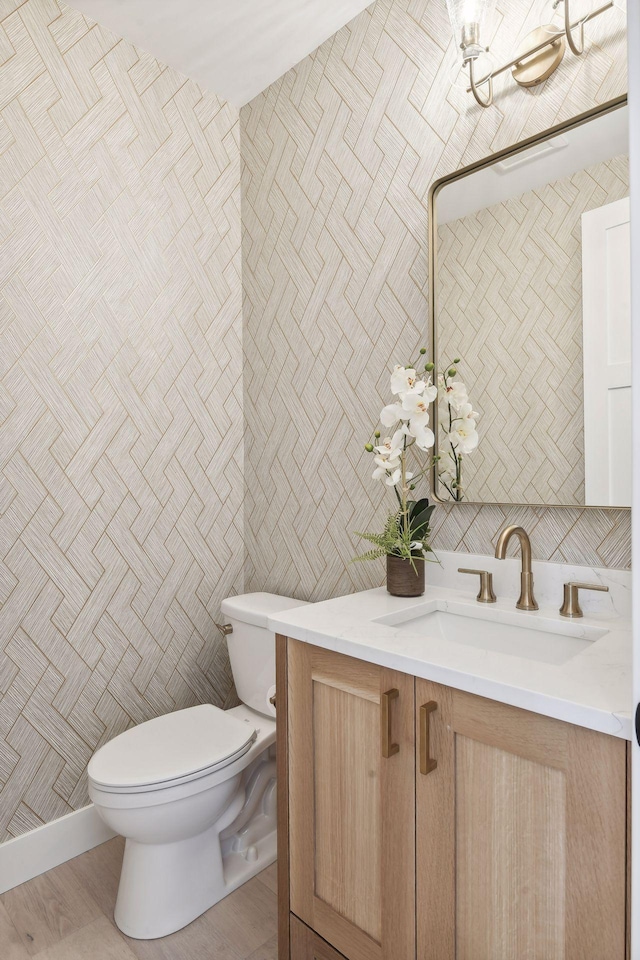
{"x": 571, "y": 604}
{"x": 486, "y": 594}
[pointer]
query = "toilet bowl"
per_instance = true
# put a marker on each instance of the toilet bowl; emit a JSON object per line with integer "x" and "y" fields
{"x": 193, "y": 792}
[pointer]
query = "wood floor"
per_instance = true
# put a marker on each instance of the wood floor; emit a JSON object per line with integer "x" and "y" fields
{"x": 67, "y": 914}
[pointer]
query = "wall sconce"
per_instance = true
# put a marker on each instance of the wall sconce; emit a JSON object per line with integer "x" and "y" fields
{"x": 539, "y": 56}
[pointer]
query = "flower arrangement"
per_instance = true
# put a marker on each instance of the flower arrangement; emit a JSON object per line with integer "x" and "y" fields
{"x": 460, "y": 436}
{"x": 407, "y": 530}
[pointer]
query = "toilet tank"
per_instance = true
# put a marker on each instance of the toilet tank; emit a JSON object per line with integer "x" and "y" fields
{"x": 252, "y": 648}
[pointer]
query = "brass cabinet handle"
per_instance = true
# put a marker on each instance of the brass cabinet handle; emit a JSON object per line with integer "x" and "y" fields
{"x": 388, "y": 748}
{"x": 427, "y": 763}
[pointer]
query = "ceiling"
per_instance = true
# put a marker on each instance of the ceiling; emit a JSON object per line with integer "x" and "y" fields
{"x": 594, "y": 142}
{"x": 234, "y": 48}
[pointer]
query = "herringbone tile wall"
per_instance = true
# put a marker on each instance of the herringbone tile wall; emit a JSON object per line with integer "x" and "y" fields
{"x": 338, "y": 157}
{"x": 510, "y": 280}
{"x": 120, "y": 398}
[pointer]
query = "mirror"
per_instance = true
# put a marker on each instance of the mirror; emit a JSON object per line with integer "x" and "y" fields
{"x": 530, "y": 291}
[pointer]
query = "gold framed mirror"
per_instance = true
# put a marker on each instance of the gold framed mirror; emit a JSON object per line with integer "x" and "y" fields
{"x": 529, "y": 277}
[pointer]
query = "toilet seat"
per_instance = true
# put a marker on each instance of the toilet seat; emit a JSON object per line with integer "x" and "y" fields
{"x": 173, "y": 749}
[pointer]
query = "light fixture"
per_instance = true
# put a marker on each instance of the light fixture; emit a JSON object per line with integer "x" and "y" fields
{"x": 539, "y": 56}
{"x": 471, "y": 21}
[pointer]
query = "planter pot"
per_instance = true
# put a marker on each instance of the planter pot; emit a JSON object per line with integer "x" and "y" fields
{"x": 402, "y": 579}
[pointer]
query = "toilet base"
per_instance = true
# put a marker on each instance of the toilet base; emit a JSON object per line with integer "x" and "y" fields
{"x": 165, "y": 886}
{"x": 157, "y": 896}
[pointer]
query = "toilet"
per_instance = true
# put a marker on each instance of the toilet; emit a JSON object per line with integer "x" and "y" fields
{"x": 194, "y": 792}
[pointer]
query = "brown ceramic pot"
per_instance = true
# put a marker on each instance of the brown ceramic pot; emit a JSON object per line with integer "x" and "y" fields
{"x": 402, "y": 579}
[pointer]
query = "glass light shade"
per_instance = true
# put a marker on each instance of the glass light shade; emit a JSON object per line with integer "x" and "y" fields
{"x": 471, "y": 22}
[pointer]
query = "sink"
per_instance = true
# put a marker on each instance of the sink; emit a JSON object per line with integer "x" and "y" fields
{"x": 525, "y": 635}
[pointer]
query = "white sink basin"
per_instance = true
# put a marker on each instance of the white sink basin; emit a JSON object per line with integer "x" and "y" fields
{"x": 515, "y": 633}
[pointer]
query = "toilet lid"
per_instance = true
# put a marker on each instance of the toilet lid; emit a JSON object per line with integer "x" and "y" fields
{"x": 178, "y": 745}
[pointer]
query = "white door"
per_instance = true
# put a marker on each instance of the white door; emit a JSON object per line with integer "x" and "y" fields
{"x": 606, "y": 331}
{"x": 633, "y": 14}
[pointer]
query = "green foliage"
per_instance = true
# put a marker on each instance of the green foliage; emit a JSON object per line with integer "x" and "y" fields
{"x": 400, "y": 532}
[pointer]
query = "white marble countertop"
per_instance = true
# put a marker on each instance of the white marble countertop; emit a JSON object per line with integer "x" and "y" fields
{"x": 588, "y": 684}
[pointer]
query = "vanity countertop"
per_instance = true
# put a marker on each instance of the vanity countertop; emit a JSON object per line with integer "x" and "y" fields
{"x": 591, "y": 686}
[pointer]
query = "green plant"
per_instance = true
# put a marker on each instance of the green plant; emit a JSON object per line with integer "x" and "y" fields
{"x": 406, "y": 534}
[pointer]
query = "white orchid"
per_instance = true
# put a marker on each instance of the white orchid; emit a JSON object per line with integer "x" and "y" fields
{"x": 389, "y": 471}
{"x": 388, "y": 459}
{"x": 403, "y": 379}
{"x": 466, "y": 411}
{"x": 424, "y": 438}
{"x": 460, "y": 436}
{"x": 446, "y": 472}
{"x": 390, "y": 414}
{"x": 430, "y": 391}
{"x": 455, "y": 393}
{"x": 464, "y": 436}
{"x": 408, "y": 415}
{"x": 416, "y": 408}
{"x": 392, "y": 447}
{"x": 406, "y": 533}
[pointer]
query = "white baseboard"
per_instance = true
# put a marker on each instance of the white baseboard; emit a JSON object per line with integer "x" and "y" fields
{"x": 39, "y": 850}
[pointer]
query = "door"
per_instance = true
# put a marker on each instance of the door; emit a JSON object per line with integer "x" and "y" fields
{"x": 521, "y": 834}
{"x": 606, "y": 332}
{"x": 352, "y": 803}
{"x": 633, "y": 14}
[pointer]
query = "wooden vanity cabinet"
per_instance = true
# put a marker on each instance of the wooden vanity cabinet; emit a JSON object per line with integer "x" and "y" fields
{"x": 351, "y": 809}
{"x": 521, "y": 834}
{"x": 425, "y": 823}
{"x": 307, "y": 945}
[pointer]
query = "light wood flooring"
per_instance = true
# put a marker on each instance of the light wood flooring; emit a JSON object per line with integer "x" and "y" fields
{"x": 67, "y": 914}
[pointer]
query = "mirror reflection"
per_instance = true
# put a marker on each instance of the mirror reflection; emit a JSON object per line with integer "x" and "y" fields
{"x": 531, "y": 273}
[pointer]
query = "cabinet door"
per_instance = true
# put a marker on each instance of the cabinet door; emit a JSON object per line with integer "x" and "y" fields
{"x": 520, "y": 835}
{"x": 306, "y": 945}
{"x": 352, "y": 809}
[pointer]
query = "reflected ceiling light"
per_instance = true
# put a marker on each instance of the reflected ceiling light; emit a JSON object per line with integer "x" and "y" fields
{"x": 538, "y": 57}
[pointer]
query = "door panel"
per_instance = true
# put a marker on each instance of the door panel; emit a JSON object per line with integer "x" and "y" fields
{"x": 606, "y": 328}
{"x": 509, "y": 825}
{"x": 525, "y": 817}
{"x": 352, "y": 810}
{"x": 348, "y": 872}
{"x": 306, "y": 945}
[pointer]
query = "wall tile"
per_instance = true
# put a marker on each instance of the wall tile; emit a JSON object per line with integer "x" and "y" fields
{"x": 338, "y": 158}
{"x": 121, "y": 523}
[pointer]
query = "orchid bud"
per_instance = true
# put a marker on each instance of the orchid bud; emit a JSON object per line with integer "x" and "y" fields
{"x": 423, "y": 350}
{"x": 429, "y": 366}
{"x": 377, "y": 434}
{"x": 368, "y": 447}
{"x": 412, "y": 486}
{"x": 456, "y": 359}
{"x": 451, "y": 372}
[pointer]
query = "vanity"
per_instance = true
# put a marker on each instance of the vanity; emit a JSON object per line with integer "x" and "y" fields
{"x": 453, "y": 779}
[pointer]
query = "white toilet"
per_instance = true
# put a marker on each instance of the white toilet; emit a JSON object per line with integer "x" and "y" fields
{"x": 193, "y": 792}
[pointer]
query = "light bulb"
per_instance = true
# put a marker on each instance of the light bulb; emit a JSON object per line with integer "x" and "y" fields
{"x": 471, "y": 22}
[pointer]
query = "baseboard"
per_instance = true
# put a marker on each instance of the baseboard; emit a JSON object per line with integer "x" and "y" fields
{"x": 35, "y": 852}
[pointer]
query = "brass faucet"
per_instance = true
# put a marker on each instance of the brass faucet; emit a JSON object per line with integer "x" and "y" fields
{"x": 526, "y": 601}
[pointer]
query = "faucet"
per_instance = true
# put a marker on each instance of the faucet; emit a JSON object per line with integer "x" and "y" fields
{"x": 526, "y": 601}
